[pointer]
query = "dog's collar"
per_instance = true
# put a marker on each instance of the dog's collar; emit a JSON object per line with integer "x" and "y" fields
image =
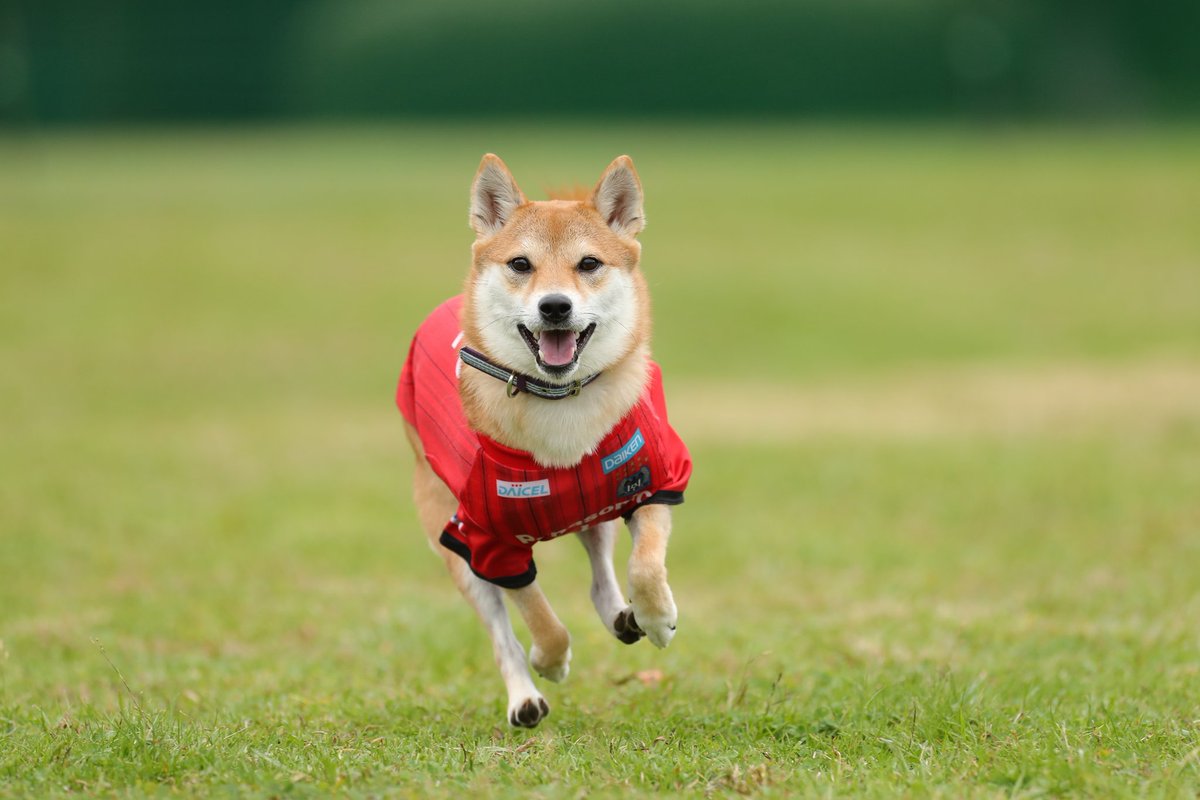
{"x": 517, "y": 383}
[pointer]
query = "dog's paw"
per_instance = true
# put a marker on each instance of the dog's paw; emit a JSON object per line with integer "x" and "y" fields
{"x": 527, "y": 712}
{"x": 625, "y": 627}
{"x": 550, "y": 669}
{"x": 658, "y": 620}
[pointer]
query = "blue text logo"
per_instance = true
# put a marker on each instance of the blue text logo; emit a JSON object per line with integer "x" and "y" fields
{"x": 627, "y": 451}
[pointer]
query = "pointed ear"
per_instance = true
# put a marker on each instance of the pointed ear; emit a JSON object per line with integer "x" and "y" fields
{"x": 618, "y": 197}
{"x": 494, "y": 196}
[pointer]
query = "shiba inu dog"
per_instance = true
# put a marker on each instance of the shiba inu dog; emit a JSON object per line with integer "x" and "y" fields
{"x": 534, "y": 411}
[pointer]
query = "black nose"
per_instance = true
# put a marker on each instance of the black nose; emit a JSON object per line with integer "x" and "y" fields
{"x": 555, "y": 307}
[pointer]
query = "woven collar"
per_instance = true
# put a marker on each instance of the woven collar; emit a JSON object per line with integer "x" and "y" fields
{"x": 518, "y": 383}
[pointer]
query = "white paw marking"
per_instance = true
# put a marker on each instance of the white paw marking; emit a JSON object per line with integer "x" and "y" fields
{"x": 657, "y": 622}
{"x": 527, "y": 711}
{"x": 556, "y": 672}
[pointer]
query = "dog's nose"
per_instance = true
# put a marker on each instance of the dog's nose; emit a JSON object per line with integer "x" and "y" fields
{"x": 555, "y": 308}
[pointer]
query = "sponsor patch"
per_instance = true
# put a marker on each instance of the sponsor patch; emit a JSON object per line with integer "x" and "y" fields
{"x": 627, "y": 451}
{"x": 523, "y": 489}
{"x": 634, "y": 483}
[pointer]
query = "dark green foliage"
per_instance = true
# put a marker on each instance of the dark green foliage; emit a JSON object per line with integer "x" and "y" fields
{"x": 141, "y": 59}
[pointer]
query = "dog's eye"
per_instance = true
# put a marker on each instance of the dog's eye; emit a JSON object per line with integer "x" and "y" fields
{"x": 520, "y": 264}
{"x": 589, "y": 264}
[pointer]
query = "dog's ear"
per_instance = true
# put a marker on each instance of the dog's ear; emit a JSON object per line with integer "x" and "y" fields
{"x": 494, "y": 196}
{"x": 618, "y": 197}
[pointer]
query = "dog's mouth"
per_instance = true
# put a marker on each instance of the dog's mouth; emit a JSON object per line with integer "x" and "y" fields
{"x": 557, "y": 350}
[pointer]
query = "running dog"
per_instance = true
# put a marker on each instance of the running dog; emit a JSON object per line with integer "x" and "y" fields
{"x": 535, "y": 411}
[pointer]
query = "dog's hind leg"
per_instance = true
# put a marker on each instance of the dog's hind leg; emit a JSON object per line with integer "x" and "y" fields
{"x": 550, "y": 653}
{"x": 435, "y": 505}
{"x": 615, "y": 614}
{"x": 526, "y": 705}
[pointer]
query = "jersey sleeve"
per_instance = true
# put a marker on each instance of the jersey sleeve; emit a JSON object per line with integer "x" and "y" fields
{"x": 499, "y": 560}
{"x": 676, "y": 460}
{"x": 678, "y": 463}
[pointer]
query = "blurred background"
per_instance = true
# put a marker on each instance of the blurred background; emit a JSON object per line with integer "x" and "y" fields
{"x": 137, "y": 60}
{"x": 952, "y": 246}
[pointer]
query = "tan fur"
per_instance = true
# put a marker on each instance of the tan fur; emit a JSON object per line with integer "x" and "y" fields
{"x": 648, "y": 587}
{"x": 557, "y": 229}
{"x": 555, "y": 235}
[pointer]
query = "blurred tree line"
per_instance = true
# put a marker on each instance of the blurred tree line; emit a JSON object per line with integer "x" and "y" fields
{"x": 111, "y": 61}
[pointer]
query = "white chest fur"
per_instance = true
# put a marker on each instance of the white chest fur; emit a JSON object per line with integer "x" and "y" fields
{"x": 557, "y": 433}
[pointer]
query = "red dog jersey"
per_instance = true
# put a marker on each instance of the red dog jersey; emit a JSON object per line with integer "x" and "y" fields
{"x": 507, "y": 501}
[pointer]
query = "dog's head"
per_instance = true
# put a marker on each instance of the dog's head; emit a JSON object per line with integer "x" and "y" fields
{"x": 555, "y": 287}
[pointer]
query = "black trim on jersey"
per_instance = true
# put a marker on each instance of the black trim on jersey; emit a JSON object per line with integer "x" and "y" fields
{"x": 658, "y": 498}
{"x": 508, "y": 582}
{"x": 455, "y": 546}
{"x": 514, "y": 581}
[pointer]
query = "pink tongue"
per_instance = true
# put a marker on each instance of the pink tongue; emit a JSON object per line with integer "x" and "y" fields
{"x": 557, "y": 347}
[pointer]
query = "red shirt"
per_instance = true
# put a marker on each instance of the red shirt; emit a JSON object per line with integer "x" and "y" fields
{"x": 507, "y": 501}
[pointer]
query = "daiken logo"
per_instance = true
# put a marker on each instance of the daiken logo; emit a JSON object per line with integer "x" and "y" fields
{"x": 627, "y": 451}
{"x": 523, "y": 489}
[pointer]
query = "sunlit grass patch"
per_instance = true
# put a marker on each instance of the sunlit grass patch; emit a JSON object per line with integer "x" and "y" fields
{"x": 941, "y": 389}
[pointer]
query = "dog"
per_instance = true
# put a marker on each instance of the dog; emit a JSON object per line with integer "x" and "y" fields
{"x": 534, "y": 411}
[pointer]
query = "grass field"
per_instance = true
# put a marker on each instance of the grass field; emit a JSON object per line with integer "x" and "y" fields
{"x": 942, "y": 388}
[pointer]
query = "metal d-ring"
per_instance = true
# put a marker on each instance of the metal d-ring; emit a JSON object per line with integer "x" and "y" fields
{"x": 511, "y": 387}
{"x": 576, "y": 388}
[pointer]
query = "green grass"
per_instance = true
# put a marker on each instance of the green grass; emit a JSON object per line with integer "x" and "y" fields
{"x": 211, "y": 578}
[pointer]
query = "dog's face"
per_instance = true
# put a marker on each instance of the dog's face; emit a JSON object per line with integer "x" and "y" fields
{"x": 555, "y": 288}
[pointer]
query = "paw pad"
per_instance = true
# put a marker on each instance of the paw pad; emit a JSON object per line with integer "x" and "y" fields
{"x": 529, "y": 713}
{"x": 626, "y": 627}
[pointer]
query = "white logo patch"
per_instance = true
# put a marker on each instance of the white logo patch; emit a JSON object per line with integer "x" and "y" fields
{"x": 523, "y": 489}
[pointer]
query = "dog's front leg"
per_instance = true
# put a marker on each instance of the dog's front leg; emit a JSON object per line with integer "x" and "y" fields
{"x": 615, "y": 613}
{"x": 653, "y": 604}
{"x": 550, "y": 652}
